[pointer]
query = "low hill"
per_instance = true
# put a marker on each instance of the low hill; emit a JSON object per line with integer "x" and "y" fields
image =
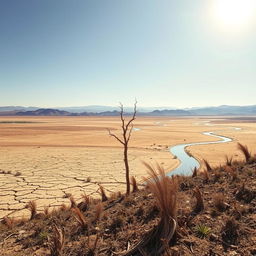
{"x": 44, "y": 112}
{"x": 223, "y": 110}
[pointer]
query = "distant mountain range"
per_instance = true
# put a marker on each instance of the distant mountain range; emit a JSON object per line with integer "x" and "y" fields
{"x": 223, "y": 110}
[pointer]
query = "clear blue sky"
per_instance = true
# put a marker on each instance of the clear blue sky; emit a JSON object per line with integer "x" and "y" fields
{"x": 163, "y": 52}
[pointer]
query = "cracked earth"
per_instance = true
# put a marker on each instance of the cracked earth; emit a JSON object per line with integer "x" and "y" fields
{"x": 49, "y": 175}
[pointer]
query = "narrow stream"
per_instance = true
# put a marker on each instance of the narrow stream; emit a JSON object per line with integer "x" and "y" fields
{"x": 187, "y": 162}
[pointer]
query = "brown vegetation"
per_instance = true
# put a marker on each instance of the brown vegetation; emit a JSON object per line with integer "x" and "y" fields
{"x": 149, "y": 221}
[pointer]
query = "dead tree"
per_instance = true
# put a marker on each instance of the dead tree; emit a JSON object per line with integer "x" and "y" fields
{"x": 127, "y": 128}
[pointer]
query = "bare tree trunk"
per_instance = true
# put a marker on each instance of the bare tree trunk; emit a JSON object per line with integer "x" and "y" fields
{"x": 127, "y": 170}
{"x": 127, "y": 128}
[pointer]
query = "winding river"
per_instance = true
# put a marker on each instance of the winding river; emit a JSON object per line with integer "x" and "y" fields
{"x": 187, "y": 162}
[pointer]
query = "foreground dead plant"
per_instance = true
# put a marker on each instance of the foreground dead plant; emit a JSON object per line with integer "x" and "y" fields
{"x": 56, "y": 242}
{"x": 134, "y": 184}
{"x": 32, "y": 207}
{"x": 245, "y": 151}
{"x": 165, "y": 191}
{"x": 199, "y": 200}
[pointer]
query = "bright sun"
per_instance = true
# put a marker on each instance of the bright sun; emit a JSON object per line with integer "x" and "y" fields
{"x": 234, "y": 13}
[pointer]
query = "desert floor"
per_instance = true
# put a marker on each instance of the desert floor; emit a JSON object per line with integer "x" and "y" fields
{"x": 49, "y": 158}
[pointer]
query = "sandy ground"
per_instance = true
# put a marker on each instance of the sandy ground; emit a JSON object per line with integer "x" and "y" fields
{"x": 57, "y": 156}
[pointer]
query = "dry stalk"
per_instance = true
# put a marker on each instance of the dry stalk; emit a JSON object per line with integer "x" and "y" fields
{"x": 244, "y": 149}
{"x": 165, "y": 191}
{"x": 134, "y": 184}
{"x": 73, "y": 202}
{"x": 98, "y": 211}
{"x": 56, "y": 242}
{"x": 199, "y": 200}
{"x": 32, "y": 207}
{"x": 103, "y": 194}
{"x": 207, "y": 165}
{"x": 80, "y": 218}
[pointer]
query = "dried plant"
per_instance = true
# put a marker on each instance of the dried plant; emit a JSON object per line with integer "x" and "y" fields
{"x": 56, "y": 242}
{"x": 230, "y": 231}
{"x": 229, "y": 160}
{"x": 98, "y": 211}
{"x": 103, "y": 194}
{"x": 64, "y": 207}
{"x": 194, "y": 174}
{"x": 9, "y": 222}
{"x": 32, "y": 207}
{"x": 73, "y": 202}
{"x": 84, "y": 205}
{"x": 219, "y": 202}
{"x": 206, "y": 163}
{"x": 232, "y": 172}
{"x": 92, "y": 242}
{"x": 206, "y": 175}
{"x": 134, "y": 184}
{"x": 164, "y": 190}
{"x": 46, "y": 211}
{"x": 199, "y": 200}
{"x": 245, "y": 151}
{"x": 80, "y": 218}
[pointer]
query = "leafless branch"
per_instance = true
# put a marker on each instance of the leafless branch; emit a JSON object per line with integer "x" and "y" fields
{"x": 130, "y": 132}
{"x": 113, "y": 135}
{"x": 133, "y": 116}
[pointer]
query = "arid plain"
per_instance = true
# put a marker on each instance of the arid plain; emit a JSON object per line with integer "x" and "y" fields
{"x": 49, "y": 158}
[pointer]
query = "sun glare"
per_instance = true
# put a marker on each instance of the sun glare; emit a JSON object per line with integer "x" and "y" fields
{"x": 234, "y": 13}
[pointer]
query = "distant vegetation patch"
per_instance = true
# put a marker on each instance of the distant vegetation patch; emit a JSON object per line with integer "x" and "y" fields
{"x": 18, "y": 122}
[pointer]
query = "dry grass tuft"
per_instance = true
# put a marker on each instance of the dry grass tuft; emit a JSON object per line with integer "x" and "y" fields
{"x": 63, "y": 208}
{"x": 134, "y": 184}
{"x": 199, "y": 200}
{"x": 219, "y": 202}
{"x": 73, "y": 202}
{"x": 103, "y": 194}
{"x": 32, "y": 207}
{"x": 206, "y": 175}
{"x": 84, "y": 205}
{"x": 98, "y": 211}
{"x": 245, "y": 151}
{"x": 194, "y": 174}
{"x": 92, "y": 242}
{"x": 56, "y": 242}
{"x": 80, "y": 218}
{"x": 230, "y": 232}
{"x": 229, "y": 160}
{"x": 47, "y": 211}
{"x": 207, "y": 165}
{"x": 164, "y": 190}
{"x": 232, "y": 172}
{"x": 9, "y": 222}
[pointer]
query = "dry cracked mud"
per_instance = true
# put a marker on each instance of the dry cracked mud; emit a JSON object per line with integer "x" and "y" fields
{"x": 50, "y": 175}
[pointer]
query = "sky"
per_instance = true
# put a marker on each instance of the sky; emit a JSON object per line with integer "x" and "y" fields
{"x": 172, "y": 53}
